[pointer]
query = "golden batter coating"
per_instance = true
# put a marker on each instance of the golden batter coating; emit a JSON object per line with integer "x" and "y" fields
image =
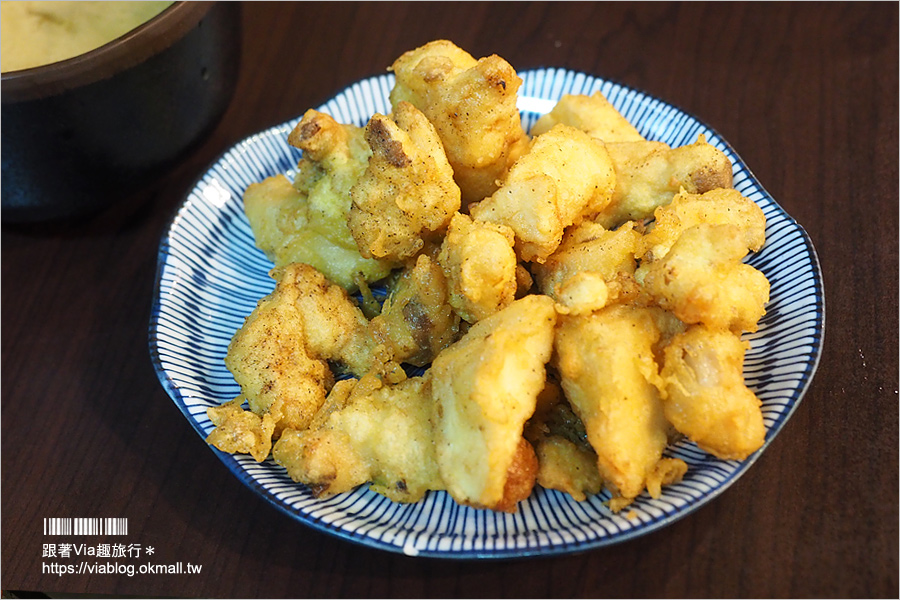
{"x": 705, "y": 396}
{"x": 472, "y": 104}
{"x": 716, "y": 207}
{"x": 702, "y": 279}
{"x": 566, "y": 460}
{"x": 279, "y": 358}
{"x": 608, "y": 370}
{"x": 407, "y": 193}
{"x": 481, "y": 267}
{"x": 565, "y": 177}
{"x": 369, "y": 430}
{"x": 649, "y": 174}
{"x": 240, "y": 431}
{"x": 417, "y": 320}
{"x": 306, "y": 220}
{"x": 593, "y": 114}
{"x": 565, "y": 335}
{"x": 592, "y": 267}
{"x": 484, "y": 388}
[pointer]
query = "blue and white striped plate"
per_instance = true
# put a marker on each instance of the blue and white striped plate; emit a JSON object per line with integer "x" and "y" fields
{"x": 210, "y": 276}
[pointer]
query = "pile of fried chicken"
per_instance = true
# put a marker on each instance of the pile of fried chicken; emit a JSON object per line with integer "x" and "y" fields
{"x": 573, "y": 297}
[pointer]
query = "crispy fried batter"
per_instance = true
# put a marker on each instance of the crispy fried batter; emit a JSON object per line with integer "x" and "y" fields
{"x": 417, "y": 320}
{"x": 566, "y": 460}
{"x": 649, "y": 174}
{"x": 567, "y": 467}
{"x": 520, "y": 477}
{"x": 240, "y": 431}
{"x": 608, "y": 371}
{"x": 529, "y": 282}
{"x": 666, "y": 472}
{"x": 481, "y": 267}
{"x": 270, "y": 359}
{"x": 702, "y": 279}
{"x": 407, "y": 192}
{"x": 368, "y": 431}
{"x": 705, "y": 396}
{"x": 719, "y": 206}
{"x": 334, "y": 326}
{"x": 592, "y": 114}
{"x": 591, "y": 268}
{"x": 472, "y": 104}
{"x": 278, "y": 357}
{"x": 566, "y": 177}
{"x": 307, "y": 221}
{"x": 485, "y": 387}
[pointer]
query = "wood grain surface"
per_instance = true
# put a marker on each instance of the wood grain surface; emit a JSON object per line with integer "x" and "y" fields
{"x": 805, "y": 92}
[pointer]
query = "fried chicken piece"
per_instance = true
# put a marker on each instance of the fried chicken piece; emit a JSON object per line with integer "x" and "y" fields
{"x": 335, "y": 328}
{"x": 271, "y": 360}
{"x": 592, "y": 267}
{"x": 566, "y": 177}
{"x": 278, "y": 356}
{"x": 485, "y": 387}
{"x": 481, "y": 267}
{"x": 649, "y": 174}
{"x": 407, "y": 193}
{"x": 371, "y": 430}
{"x": 417, "y": 320}
{"x": 593, "y": 114}
{"x": 705, "y": 396}
{"x": 306, "y": 221}
{"x": 719, "y": 206}
{"x": 702, "y": 279}
{"x": 606, "y": 362}
{"x": 472, "y": 104}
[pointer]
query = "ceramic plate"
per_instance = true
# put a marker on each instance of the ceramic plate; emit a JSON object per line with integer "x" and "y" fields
{"x": 210, "y": 276}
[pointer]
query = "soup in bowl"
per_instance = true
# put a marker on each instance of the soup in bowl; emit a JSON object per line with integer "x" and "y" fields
{"x": 83, "y": 131}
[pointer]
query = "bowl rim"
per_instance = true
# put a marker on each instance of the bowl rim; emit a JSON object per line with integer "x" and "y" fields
{"x": 127, "y": 50}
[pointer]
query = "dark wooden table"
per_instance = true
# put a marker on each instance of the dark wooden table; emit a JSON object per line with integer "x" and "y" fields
{"x": 806, "y": 93}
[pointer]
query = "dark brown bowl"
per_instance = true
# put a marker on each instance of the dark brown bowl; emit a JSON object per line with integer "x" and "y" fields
{"x": 80, "y": 134}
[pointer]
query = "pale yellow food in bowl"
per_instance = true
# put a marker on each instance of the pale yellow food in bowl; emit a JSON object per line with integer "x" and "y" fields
{"x": 34, "y": 34}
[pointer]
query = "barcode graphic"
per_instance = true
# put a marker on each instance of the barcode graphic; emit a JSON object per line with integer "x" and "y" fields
{"x": 85, "y": 526}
